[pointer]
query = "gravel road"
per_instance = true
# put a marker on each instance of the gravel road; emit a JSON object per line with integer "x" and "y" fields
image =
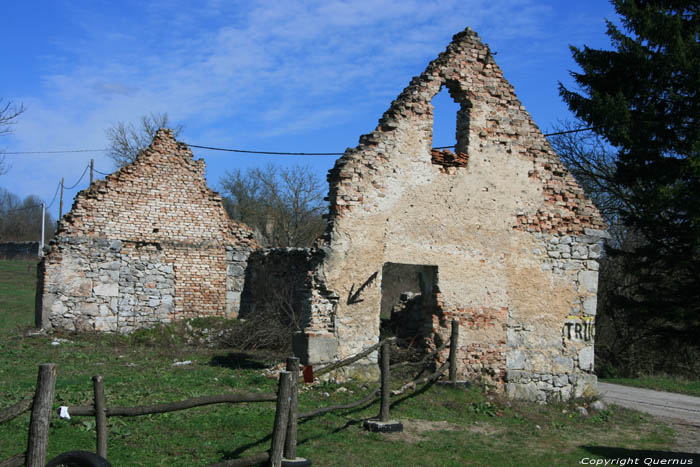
{"x": 657, "y": 403}
{"x": 680, "y": 411}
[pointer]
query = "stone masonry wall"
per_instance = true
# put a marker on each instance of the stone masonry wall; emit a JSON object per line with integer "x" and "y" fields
{"x": 287, "y": 277}
{"x": 12, "y": 250}
{"x": 148, "y": 244}
{"x": 513, "y": 238}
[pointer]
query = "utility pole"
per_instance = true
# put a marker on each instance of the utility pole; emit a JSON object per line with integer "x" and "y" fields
{"x": 60, "y": 207}
{"x": 92, "y": 168}
{"x": 41, "y": 242}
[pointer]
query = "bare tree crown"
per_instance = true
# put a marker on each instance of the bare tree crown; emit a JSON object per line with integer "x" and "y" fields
{"x": 127, "y": 140}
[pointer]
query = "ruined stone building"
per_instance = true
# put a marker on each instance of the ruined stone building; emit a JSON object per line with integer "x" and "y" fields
{"x": 496, "y": 234}
{"x": 148, "y": 244}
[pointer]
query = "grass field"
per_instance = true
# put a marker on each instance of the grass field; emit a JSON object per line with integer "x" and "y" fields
{"x": 443, "y": 426}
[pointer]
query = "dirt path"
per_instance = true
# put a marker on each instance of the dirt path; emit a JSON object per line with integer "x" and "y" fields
{"x": 680, "y": 411}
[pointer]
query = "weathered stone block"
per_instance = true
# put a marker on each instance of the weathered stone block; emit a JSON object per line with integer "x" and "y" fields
{"x": 526, "y": 391}
{"x": 515, "y": 360}
{"x": 590, "y": 305}
{"x": 585, "y": 358}
{"x": 106, "y": 290}
{"x": 91, "y": 309}
{"x": 562, "y": 364}
{"x": 314, "y": 349}
{"x": 588, "y": 281}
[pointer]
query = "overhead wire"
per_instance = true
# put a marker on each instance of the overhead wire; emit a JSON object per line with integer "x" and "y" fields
{"x": 247, "y": 151}
{"x": 210, "y": 148}
{"x": 79, "y": 180}
{"x": 21, "y": 209}
{"x": 53, "y": 200}
{"x": 58, "y": 187}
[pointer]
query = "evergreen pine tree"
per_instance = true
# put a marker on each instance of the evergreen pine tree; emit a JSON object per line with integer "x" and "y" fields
{"x": 644, "y": 98}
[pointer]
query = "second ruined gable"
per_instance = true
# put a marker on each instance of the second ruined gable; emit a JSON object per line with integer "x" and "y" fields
{"x": 149, "y": 244}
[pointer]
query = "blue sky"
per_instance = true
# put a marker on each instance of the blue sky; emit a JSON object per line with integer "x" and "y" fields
{"x": 308, "y": 76}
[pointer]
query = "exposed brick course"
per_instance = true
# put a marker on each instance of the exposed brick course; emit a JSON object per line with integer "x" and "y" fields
{"x": 147, "y": 244}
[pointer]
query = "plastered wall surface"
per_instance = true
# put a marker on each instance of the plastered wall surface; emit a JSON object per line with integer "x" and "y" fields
{"x": 514, "y": 239}
{"x": 507, "y": 238}
{"x": 148, "y": 244}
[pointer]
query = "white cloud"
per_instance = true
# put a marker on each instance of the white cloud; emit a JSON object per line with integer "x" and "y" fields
{"x": 272, "y": 69}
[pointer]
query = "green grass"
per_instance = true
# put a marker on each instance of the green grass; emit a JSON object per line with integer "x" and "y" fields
{"x": 443, "y": 426}
{"x": 17, "y": 285}
{"x": 660, "y": 383}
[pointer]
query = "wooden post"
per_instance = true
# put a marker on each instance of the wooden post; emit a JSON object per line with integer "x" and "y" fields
{"x": 384, "y": 410}
{"x": 41, "y": 241}
{"x": 60, "y": 206}
{"x": 41, "y": 415}
{"x": 100, "y": 415}
{"x": 383, "y": 424}
{"x": 92, "y": 168}
{"x": 290, "y": 441}
{"x": 454, "y": 339}
{"x": 281, "y": 418}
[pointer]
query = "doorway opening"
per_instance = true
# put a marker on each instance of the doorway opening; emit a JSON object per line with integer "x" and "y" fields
{"x": 409, "y": 300}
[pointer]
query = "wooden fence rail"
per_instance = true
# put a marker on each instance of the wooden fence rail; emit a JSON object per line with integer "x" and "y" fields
{"x": 16, "y": 410}
{"x": 233, "y": 398}
{"x": 284, "y": 436}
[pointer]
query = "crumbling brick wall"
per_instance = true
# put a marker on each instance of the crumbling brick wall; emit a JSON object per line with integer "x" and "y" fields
{"x": 148, "y": 244}
{"x": 513, "y": 237}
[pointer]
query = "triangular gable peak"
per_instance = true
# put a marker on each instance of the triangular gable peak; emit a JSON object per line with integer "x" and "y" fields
{"x": 162, "y": 196}
{"x": 148, "y": 244}
{"x": 491, "y": 118}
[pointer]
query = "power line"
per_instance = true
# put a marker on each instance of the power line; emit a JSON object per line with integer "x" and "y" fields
{"x": 58, "y": 187}
{"x": 22, "y": 209}
{"x": 269, "y": 152}
{"x": 568, "y": 131}
{"x": 81, "y": 177}
{"x": 248, "y": 151}
{"x": 211, "y": 148}
{"x": 55, "y": 152}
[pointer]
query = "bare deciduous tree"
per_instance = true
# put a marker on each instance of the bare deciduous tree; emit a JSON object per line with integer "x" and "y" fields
{"x": 127, "y": 140}
{"x": 20, "y": 220}
{"x": 283, "y": 204}
{"x": 9, "y": 111}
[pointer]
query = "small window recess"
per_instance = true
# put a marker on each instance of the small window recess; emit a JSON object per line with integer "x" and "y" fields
{"x": 446, "y": 104}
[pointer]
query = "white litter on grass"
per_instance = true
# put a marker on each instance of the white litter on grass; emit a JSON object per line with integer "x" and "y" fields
{"x": 186, "y": 362}
{"x": 63, "y": 412}
{"x": 59, "y": 341}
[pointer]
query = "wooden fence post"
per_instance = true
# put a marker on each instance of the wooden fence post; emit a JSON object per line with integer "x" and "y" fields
{"x": 281, "y": 418}
{"x": 290, "y": 441}
{"x": 41, "y": 415}
{"x": 454, "y": 339}
{"x": 384, "y": 410}
{"x": 383, "y": 424}
{"x": 100, "y": 415}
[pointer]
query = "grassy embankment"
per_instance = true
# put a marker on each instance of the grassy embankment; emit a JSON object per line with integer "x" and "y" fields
{"x": 444, "y": 426}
